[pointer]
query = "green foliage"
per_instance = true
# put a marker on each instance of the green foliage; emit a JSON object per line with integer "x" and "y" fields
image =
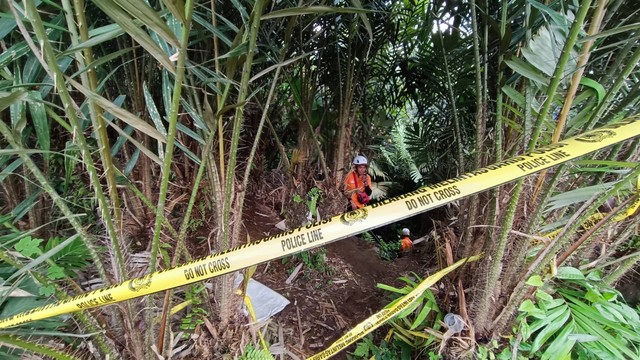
{"x": 31, "y": 289}
{"x": 312, "y": 198}
{"x": 407, "y": 336}
{"x": 315, "y": 260}
{"x": 196, "y": 313}
{"x": 366, "y": 348}
{"x": 74, "y": 256}
{"x": 28, "y": 246}
{"x": 251, "y": 353}
{"x": 581, "y": 317}
{"x": 387, "y": 250}
{"x": 493, "y": 351}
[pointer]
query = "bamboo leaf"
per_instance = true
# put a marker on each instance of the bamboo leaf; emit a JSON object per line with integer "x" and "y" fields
{"x": 40, "y": 123}
{"x": 312, "y": 10}
{"x": 557, "y": 17}
{"x": 14, "y": 53}
{"x": 137, "y": 144}
{"x": 96, "y": 37}
{"x": 25, "y": 205}
{"x": 206, "y": 24}
{"x": 363, "y": 17}
{"x": 176, "y": 7}
{"x": 599, "y": 89}
{"x": 127, "y": 24}
{"x": 614, "y": 31}
{"x": 10, "y": 168}
{"x": 527, "y": 70}
{"x": 9, "y": 98}
{"x": 155, "y": 117}
{"x": 149, "y": 18}
{"x": 132, "y": 162}
{"x": 101, "y": 61}
{"x": 119, "y": 112}
{"x": 514, "y": 95}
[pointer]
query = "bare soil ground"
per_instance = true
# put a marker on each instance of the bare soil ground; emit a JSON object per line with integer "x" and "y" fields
{"x": 326, "y": 304}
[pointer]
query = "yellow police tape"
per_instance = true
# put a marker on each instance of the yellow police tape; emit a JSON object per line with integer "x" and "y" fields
{"x": 593, "y": 219}
{"x": 341, "y": 226}
{"x": 379, "y": 318}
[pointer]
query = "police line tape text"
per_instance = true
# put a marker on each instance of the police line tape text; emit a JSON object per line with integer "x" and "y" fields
{"x": 301, "y": 240}
{"x": 211, "y": 267}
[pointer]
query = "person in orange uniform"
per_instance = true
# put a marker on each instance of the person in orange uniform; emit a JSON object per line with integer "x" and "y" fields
{"x": 405, "y": 242}
{"x": 357, "y": 184}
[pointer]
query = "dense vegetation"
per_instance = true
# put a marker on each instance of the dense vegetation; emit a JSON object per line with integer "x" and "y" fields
{"x": 133, "y": 132}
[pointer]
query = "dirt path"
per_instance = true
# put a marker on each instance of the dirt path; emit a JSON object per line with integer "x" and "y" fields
{"x": 326, "y": 304}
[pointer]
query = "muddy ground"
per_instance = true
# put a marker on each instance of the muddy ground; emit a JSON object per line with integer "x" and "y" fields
{"x": 328, "y": 299}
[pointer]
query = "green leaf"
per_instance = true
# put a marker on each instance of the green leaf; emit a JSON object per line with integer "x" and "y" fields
{"x": 593, "y": 296}
{"x": 583, "y": 338}
{"x": 306, "y": 10}
{"x": 40, "y": 123}
{"x": 588, "y": 326}
{"x": 362, "y": 350}
{"x": 569, "y": 273}
{"x": 8, "y": 99}
{"x": 527, "y": 70}
{"x": 535, "y": 280}
{"x": 514, "y": 95}
{"x": 544, "y": 297}
{"x": 47, "y": 290}
{"x": 55, "y": 272}
{"x": 132, "y": 28}
{"x": 426, "y": 309}
{"x": 560, "y": 347}
{"x": 44, "y": 257}
{"x": 403, "y": 291}
{"x": 28, "y": 246}
{"x": 550, "y": 329}
{"x": 528, "y": 307}
{"x": 599, "y": 89}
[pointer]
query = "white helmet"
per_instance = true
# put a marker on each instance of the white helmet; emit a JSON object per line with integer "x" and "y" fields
{"x": 360, "y": 160}
{"x": 405, "y": 231}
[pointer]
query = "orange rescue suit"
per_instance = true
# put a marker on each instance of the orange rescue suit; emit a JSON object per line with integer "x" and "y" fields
{"x": 353, "y": 182}
{"x": 406, "y": 243}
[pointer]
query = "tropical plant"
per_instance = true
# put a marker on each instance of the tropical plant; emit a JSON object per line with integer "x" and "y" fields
{"x": 28, "y": 274}
{"x": 577, "y": 316}
{"x": 122, "y": 114}
{"x": 414, "y": 330}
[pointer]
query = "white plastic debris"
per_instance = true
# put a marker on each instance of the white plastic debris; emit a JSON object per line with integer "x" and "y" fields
{"x": 265, "y": 301}
{"x": 454, "y": 323}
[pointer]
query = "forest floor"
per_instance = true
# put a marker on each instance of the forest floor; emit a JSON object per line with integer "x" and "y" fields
{"x": 330, "y": 297}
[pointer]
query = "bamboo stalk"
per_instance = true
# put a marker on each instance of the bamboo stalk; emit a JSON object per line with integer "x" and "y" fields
{"x": 56, "y": 74}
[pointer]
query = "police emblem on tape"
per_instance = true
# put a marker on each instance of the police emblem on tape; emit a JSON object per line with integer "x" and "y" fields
{"x": 596, "y": 136}
{"x": 140, "y": 283}
{"x": 352, "y": 217}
